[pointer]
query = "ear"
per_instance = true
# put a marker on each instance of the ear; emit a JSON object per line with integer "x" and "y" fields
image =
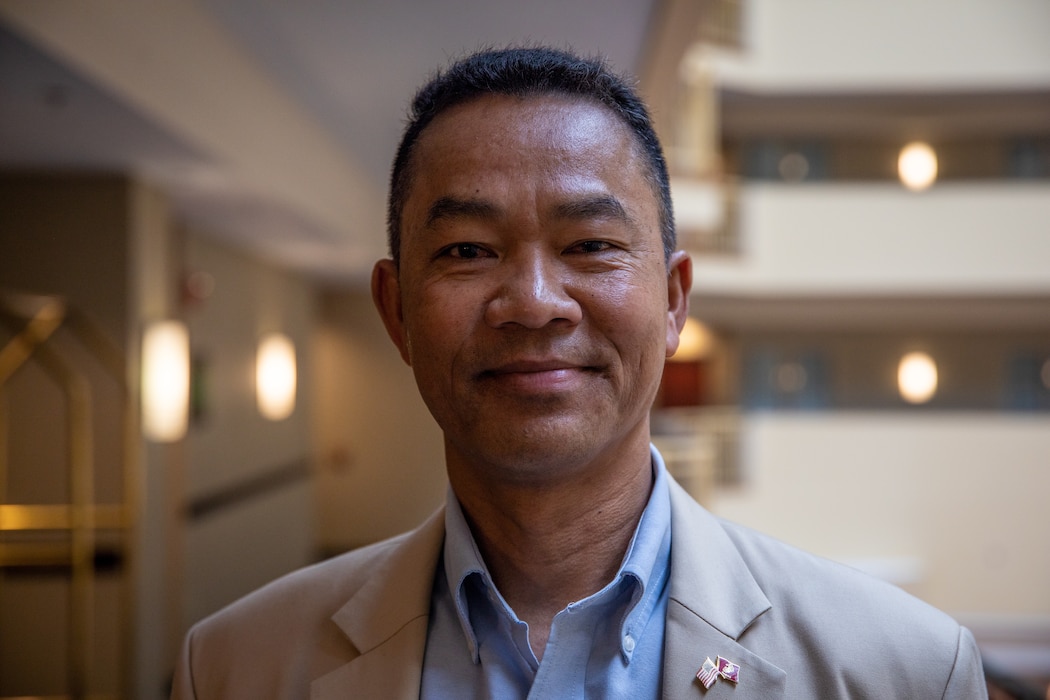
{"x": 386, "y": 294}
{"x": 679, "y": 282}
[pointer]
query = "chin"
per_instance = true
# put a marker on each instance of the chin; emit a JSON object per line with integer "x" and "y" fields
{"x": 538, "y": 454}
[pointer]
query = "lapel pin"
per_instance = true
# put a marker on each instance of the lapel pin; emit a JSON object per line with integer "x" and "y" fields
{"x": 708, "y": 673}
{"x": 728, "y": 670}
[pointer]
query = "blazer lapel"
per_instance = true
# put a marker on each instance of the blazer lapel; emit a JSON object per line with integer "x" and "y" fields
{"x": 386, "y": 621}
{"x": 714, "y": 599}
{"x": 688, "y": 640}
{"x": 391, "y": 671}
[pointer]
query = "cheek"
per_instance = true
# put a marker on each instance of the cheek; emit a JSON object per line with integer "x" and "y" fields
{"x": 634, "y": 317}
{"x": 439, "y": 323}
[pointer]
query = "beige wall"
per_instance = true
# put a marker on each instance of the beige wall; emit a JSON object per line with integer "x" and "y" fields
{"x": 952, "y": 505}
{"x": 68, "y": 234}
{"x": 234, "y": 549}
{"x": 840, "y": 238}
{"x": 381, "y": 454}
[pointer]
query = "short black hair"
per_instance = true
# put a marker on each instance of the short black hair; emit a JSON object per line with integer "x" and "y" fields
{"x": 521, "y": 72}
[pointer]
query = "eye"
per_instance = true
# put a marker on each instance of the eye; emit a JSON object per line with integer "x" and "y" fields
{"x": 465, "y": 251}
{"x": 590, "y": 247}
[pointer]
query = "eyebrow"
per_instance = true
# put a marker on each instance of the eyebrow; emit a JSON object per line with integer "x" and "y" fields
{"x": 453, "y": 208}
{"x": 598, "y": 207}
{"x": 583, "y": 209}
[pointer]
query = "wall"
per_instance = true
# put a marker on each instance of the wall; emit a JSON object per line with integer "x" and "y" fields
{"x": 382, "y": 455}
{"x": 826, "y": 44}
{"x": 951, "y": 505}
{"x": 247, "y": 480}
{"x": 870, "y": 238}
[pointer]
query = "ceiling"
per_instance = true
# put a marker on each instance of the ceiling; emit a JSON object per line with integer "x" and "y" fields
{"x": 350, "y": 69}
{"x": 355, "y": 65}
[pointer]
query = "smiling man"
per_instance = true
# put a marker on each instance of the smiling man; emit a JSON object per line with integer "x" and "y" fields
{"x": 535, "y": 290}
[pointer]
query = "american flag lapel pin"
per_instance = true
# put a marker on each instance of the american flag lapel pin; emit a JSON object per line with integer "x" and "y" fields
{"x": 708, "y": 673}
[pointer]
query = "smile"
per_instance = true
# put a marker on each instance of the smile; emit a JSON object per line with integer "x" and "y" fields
{"x": 547, "y": 376}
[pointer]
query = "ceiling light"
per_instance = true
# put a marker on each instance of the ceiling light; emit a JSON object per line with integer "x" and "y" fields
{"x": 917, "y": 377}
{"x": 694, "y": 342}
{"x": 917, "y": 166}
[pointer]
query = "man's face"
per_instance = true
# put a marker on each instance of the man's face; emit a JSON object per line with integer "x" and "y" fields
{"x": 533, "y": 301}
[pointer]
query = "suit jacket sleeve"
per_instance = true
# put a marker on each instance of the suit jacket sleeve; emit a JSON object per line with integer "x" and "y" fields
{"x": 967, "y": 679}
{"x": 182, "y": 683}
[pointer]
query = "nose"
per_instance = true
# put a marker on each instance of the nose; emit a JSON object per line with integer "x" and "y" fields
{"x": 534, "y": 291}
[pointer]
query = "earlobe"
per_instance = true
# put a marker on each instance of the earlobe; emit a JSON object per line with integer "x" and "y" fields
{"x": 386, "y": 294}
{"x": 679, "y": 282}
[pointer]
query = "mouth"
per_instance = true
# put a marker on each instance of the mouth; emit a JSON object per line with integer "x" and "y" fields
{"x": 532, "y": 366}
{"x": 539, "y": 375}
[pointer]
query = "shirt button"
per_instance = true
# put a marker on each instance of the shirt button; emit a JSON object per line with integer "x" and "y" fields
{"x": 628, "y": 643}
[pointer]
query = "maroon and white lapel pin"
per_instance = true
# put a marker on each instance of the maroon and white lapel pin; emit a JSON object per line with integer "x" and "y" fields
{"x": 728, "y": 670}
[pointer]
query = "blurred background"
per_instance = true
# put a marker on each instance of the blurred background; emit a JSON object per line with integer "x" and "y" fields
{"x": 197, "y": 396}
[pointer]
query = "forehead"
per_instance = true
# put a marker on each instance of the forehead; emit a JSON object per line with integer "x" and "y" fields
{"x": 535, "y": 115}
{"x": 532, "y": 135}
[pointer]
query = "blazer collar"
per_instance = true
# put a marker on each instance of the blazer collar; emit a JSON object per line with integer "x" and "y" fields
{"x": 714, "y": 599}
{"x": 386, "y": 620}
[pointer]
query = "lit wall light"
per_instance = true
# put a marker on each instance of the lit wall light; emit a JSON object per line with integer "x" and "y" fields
{"x": 917, "y": 166}
{"x": 275, "y": 376}
{"x": 917, "y": 377}
{"x": 694, "y": 342}
{"x": 165, "y": 380}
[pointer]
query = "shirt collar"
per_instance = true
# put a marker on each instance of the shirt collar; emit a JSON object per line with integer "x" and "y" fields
{"x": 646, "y": 563}
{"x": 462, "y": 561}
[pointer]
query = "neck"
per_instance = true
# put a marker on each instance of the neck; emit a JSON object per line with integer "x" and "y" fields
{"x": 549, "y": 545}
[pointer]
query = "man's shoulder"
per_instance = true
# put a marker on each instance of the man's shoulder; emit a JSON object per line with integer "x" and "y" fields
{"x": 844, "y": 616}
{"x": 319, "y": 590}
{"x": 812, "y": 585}
{"x": 274, "y": 641}
{"x": 838, "y": 631}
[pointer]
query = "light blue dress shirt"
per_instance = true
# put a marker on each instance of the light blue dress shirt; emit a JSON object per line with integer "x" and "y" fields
{"x": 608, "y": 645}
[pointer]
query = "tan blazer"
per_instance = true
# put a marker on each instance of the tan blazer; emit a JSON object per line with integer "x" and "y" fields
{"x": 799, "y": 626}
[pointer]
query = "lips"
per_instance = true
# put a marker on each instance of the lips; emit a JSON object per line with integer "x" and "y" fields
{"x": 547, "y": 375}
{"x": 530, "y": 366}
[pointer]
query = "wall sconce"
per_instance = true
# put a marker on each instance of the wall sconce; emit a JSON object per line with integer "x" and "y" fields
{"x": 917, "y": 377}
{"x": 917, "y": 166}
{"x": 275, "y": 376}
{"x": 165, "y": 380}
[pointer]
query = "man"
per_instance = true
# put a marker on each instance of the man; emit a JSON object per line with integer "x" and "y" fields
{"x": 535, "y": 290}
